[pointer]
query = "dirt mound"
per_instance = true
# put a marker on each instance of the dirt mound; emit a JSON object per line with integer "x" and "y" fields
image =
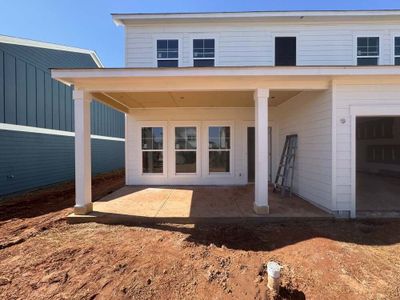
{"x": 43, "y": 257}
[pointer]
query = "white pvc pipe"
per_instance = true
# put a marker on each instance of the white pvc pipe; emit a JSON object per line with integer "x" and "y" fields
{"x": 274, "y": 274}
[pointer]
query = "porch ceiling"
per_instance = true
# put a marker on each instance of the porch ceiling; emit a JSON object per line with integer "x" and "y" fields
{"x": 127, "y": 88}
{"x": 195, "y": 99}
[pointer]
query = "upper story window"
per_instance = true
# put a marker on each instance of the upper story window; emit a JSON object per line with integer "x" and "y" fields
{"x": 367, "y": 51}
{"x": 167, "y": 53}
{"x": 203, "y": 52}
{"x": 285, "y": 51}
{"x": 397, "y": 50}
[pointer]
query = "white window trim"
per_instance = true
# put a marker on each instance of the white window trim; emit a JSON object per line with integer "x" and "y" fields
{"x": 366, "y": 35}
{"x": 393, "y": 44}
{"x": 167, "y": 37}
{"x": 172, "y": 157}
{"x": 206, "y": 169}
{"x": 164, "y": 150}
{"x": 274, "y": 148}
{"x": 200, "y": 37}
{"x": 285, "y": 34}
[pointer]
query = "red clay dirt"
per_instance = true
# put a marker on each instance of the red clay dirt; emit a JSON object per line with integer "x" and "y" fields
{"x": 43, "y": 257}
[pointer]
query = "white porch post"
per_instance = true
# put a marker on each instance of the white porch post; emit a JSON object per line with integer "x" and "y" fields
{"x": 261, "y": 158}
{"x": 83, "y": 163}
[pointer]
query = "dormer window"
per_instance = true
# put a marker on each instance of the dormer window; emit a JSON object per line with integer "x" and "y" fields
{"x": 367, "y": 51}
{"x": 203, "y": 52}
{"x": 167, "y": 53}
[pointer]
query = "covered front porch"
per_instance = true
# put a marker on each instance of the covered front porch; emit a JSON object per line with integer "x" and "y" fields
{"x": 229, "y": 101}
{"x": 194, "y": 204}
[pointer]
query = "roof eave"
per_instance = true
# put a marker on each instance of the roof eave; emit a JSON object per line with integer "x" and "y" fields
{"x": 96, "y": 59}
{"x": 67, "y": 75}
{"x": 121, "y": 19}
{"x": 32, "y": 43}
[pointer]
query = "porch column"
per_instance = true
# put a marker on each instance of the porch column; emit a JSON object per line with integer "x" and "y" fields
{"x": 83, "y": 163}
{"x": 261, "y": 157}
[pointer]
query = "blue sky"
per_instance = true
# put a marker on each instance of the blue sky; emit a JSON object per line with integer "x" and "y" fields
{"x": 88, "y": 24}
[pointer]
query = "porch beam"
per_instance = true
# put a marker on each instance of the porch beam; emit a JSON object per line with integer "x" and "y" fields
{"x": 83, "y": 164}
{"x": 110, "y": 101}
{"x": 261, "y": 156}
{"x": 194, "y": 84}
{"x": 215, "y": 72}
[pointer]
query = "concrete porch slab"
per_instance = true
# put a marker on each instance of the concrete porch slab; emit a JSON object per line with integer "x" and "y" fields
{"x": 194, "y": 204}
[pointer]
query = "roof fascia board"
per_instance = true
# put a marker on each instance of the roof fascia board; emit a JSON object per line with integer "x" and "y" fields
{"x": 65, "y": 74}
{"x": 96, "y": 59}
{"x": 31, "y": 43}
{"x": 120, "y": 19}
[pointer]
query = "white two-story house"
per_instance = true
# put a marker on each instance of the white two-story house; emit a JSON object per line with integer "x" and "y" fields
{"x": 209, "y": 99}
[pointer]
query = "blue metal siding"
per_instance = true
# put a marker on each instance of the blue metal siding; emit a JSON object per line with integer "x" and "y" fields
{"x": 106, "y": 121}
{"x": 61, "y": 98}
{"x": 107, "y": 155}
{"x": 1, "y": 87}
{"x": 28, "y": 95}
{"x": 48, "y": 101}
{"x": 45, "y": 58}
{"x": 31, "y": 94}
{"x": 68, "y": 109}
{"x": 40, "y": 98}
{"x": 21, "y": 93}
{"x": 56, "y": 119}
{"x": 30, "y": 160}
{"x": 10, "y": 106}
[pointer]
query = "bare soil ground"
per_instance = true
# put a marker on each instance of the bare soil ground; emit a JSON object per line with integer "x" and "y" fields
{"x": 43, "y": 257}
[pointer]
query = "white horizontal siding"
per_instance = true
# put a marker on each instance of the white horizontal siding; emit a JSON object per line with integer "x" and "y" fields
{"x": 252, "y": 43}
{"x": 309, "y": 115}
{"x": 237, "y": 117}
{"x": 325, "y": 46}
{"x": 350, "y": 95}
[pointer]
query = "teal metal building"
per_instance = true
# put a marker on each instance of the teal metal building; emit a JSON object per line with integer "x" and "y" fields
{"x": 37, "y": 117}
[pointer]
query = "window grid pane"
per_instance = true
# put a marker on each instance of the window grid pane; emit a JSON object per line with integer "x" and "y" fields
{"x": 152, "y": 146}
{"x": 397, "y": 46}
{"x": 185, "y": 138}
{"x": 152, "y": 138}
{"x": 203, "y": 63}
{"x": 203, "y": 48}
{"x": 169, "y": 63}
{"x": 185, "y": 149}
{"x": 185, "y": 161}
{"x": 152, "y": 162}
{"x": 368, "y": 46}
{"x": 167, "y": 48}
{"x": 219, "y": 149}
{"x": 219, "y": 161}
{"x": 219, "y": 138}
{"x": 371, "y": 61}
